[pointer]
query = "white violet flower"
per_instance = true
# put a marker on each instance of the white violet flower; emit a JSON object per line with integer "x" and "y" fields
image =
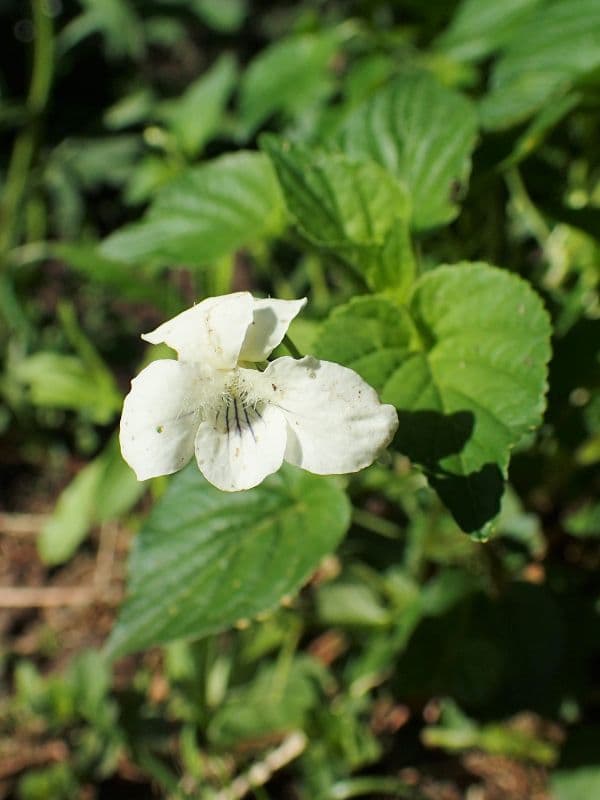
{"x": 239, "y": 420}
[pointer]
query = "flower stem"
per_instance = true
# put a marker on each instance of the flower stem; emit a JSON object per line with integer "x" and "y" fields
{"x": 292, "y": 349}
{"x": 375, "y": 524}
{"x": 24, "y": 147}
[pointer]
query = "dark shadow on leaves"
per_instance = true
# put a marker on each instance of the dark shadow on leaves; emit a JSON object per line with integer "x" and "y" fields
{"x": 427, "y": 437}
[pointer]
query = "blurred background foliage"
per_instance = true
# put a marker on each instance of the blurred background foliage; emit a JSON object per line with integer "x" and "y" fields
{"x": 416, "y": 663}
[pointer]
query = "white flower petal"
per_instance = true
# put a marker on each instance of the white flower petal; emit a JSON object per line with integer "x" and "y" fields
{"x": 159, "y": 421}
{"x": 336, "y": 423}
{"x": 239, "y": 447}
{"x": 270, "y": 321}
{"x": 211, "y": 332}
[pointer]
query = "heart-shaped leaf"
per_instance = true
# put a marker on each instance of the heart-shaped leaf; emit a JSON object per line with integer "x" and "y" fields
{"x": 206, "y": 213}
{"x": 205, "y": 558}
{"x": 352, "y": 209}
{"x": 465, "y": 365}
{"x": 556, "y": 47}
{"x": 423, "y": 133}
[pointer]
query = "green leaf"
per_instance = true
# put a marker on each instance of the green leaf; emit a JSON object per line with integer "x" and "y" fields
{"x": 94, "y": 162}
{"x": 80, "y": 382}
{"x": 115, "y": 20}
{"x": 72, "y": 516}
{"x": 205, "y": 559}
{"x": 476, "y": 386}
{"x": 287, "y": 77}
{"x": 456, "y": 732}
{"x": 56, "y": 380}
{"x": 555, "y": 48}
{"x": 577, "y": 783}
{"x": 347, "y": 208}
{"x": 130, "y": 110}
{"x": 371, "y": 335}
{"x": 350, "y": 603}
{"x": 195, "y": 116}
{"x": 85, "y": 259}
{"x": 468, "y": 377}
{"x": 423, "y": 133}
{"x": 104, "y": 489}
{"x": 480, "y": 27}
{"x": 206, "y": 213}
{"x": 222, "y": 15}
{"x": 584, "y": 522}
{"x": 276, "y": 701}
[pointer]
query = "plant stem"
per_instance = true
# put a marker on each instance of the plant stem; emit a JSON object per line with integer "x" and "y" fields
{"x": 370, "y": 785}
{"x": 523, "y": 203}
{"x": 292, "y": 349}
{"x": 375, "y": 524}
{"x": 24, "y": 147}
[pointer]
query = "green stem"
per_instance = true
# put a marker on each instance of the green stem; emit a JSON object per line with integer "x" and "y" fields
{"x": 24, "y": 147}
{"x": 292, "y": 349}
{"x": 535, "y": 221}
{"x": 371, "y": 522}
{"x": 370, "y": 785}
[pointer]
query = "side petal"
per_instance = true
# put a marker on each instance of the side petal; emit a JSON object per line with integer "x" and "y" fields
{"x": 159, "y": 420}
{"x": 240, "y": 446}
{"x": 336, "y": 423}
{"x": 270, "y": 321}
{"x": 210, "y": 332}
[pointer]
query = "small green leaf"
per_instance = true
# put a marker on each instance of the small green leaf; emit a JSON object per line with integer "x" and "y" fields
{"x": 72, "y": 516}
{"x": 480, "y": 27}
{"x": 287, "y": 77}
{"x": 576, "y": 783}
{"x": 206, "y": 213}
{"x": 195, "y": 116}
{"x": 351, "y": 603}
{"x": 351, "y": 209}
{"x": 555, "y": 48}
{"x": 221, "y": 15}
{"x": 205, "y": 558}
{"x": 275, "y": 701}
{"x": 103, "y": 490}
{"x": 56, "y": 380}
{"x": 115, "y": 20}
{"x": 423, "y": 133}
{"x": 465, "y": 365}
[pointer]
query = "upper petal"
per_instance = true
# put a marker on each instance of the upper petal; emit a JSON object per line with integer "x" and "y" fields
{"x": 240, "y": 446}
{"x": 211, "y": 331}
{"x": 336, "y": 423}
{"x": 159, "y": 420}
{"x": 270, "y": 321}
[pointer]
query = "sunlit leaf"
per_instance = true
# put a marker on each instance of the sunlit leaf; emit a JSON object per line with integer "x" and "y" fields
{"x": 286, "y": 77}
{"x": 206, "y": 559}
{"x": 465, "y": 365}
{"x": 480, "y": 27}
{"x": 103, "y": 490}
{"x": 206, "y": 213}
{"x": 195, "y": 116}
{"x": 558, "y": 46}
{"x": 423, "y": 133}
{"x": 347, "y": 208}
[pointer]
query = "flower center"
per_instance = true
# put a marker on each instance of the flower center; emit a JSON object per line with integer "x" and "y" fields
{"x": 234, "y": 402}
